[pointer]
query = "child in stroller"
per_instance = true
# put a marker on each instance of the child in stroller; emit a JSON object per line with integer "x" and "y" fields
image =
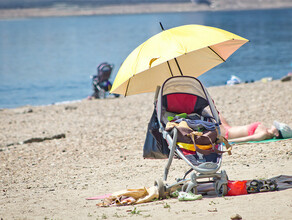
{"x": 100, "y": 82}
{"x": 189, "y": 123}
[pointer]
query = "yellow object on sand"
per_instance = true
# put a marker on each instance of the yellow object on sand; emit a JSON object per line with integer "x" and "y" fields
{"x": 131, "y": 196}
{"x": 141, "y": 195}
{"x": 188, "y": 50}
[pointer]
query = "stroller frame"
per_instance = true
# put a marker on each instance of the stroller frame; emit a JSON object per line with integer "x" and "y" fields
{"x": 100, "y": 82}
{"x": 204, "y": 169}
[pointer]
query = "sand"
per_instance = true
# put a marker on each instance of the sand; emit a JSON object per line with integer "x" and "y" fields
{"x": 102, "y": 149}
{"x": 81, "y": 10}
{"x": 102, "y": 153}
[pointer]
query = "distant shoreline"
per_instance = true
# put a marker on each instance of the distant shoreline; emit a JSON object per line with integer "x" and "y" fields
{"x": 63, "y": 10}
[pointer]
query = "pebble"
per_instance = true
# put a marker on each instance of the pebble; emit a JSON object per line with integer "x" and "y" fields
{"x": 235, "y": 217}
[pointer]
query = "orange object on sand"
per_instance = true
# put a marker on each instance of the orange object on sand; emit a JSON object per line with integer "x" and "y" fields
{"x": 236, "y": 188}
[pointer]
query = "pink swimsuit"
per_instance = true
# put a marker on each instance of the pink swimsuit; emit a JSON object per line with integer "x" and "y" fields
{"x": 226, "y": 127}
{"x": 250, "y": 129}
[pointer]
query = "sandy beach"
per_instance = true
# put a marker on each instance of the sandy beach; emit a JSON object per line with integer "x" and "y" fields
{"x": 102, "y": 153}
{"x": 81, "y": 10}
{"x": 54, "y": 157}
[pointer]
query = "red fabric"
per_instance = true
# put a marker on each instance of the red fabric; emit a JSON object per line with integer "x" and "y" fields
{"x": 181, "y": 103}
{"x": 252, "y": 127}
{"x": 187, "y": 152}
{"x": 236, "y": 188}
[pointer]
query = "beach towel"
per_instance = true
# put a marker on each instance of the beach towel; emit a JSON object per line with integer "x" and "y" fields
{"x": 262, "y": 141}
{"x": 283, "y": 181}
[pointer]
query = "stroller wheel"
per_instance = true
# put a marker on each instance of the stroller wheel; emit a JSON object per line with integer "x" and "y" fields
{"x": 161, "y": 188}
{"x": 224, "y": 175}
{"x": 220, "y": 189}
{"x": 190, "y": 187}
{"x": 101, "y": 94}
{"x": 184, "y": 187}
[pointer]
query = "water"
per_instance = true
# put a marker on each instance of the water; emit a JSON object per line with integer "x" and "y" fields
{"x": 49, "y": 60}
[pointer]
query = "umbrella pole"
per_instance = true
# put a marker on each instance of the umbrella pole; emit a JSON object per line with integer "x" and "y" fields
{"x": 169, "y": 68}
{"x": 162, "y": 28}
{"x": 178, "y": 66}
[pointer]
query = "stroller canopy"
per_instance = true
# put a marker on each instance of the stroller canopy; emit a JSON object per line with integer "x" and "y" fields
{"x": 184, "y": 94}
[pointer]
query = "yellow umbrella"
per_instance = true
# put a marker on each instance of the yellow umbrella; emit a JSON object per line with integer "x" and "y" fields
{"x": 188, "y": 50}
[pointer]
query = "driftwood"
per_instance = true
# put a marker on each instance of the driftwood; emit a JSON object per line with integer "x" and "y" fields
{"x": 38, "y": 139}
{"x": 31, "y": 140}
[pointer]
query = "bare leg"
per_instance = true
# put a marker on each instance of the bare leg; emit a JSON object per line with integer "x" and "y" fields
{"x": 223, "y": 121}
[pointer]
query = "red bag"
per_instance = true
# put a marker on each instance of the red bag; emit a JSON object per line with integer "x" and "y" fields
{"x": 236, "y": 188}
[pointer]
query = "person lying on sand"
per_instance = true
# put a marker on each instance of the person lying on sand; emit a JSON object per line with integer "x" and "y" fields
{"x": 254, "y": 132}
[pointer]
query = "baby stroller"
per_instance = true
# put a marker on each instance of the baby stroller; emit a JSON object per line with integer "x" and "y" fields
{"x": 100, "y": 82}
{"x": 189, "y": 122}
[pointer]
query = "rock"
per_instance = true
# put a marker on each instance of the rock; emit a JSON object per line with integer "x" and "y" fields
{"x": 70, "y": 107}
{"x": 235, "y": 217}
{"x": 286, "y": 78}
{"x": 28, "y": 111}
